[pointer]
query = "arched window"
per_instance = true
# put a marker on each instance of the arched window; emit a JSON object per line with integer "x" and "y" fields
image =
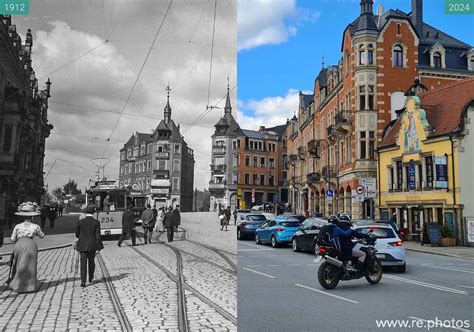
{"x": 362, "y": 59}
{"x": 397, "y": 56}
{"x": 437, "y": 60}
{"x": 370, "y": 54}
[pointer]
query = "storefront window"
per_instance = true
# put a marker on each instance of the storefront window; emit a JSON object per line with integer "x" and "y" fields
{"x": 399, "y": 175}
{"x": 429, "y": 171}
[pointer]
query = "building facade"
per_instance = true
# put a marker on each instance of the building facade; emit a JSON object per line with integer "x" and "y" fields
{"x": 160, "y": 165}
{"x": 24, "y": 124}
{"x": 419, "y": 167}
{"x": 338, "y": 127}
{"x": 224, "y": 161}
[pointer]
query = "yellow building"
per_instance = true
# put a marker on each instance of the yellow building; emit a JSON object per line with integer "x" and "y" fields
{"x": 418, "y": 161}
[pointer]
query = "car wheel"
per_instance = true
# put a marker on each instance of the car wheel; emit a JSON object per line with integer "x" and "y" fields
{"x": 402, "y": 268}
{"x": 294, "y": 245}
{"x": 239, "y": 234}
{"x": 316, "y": 248}
{"x": 257, "y": 239}
{"x": 274, "y": 242}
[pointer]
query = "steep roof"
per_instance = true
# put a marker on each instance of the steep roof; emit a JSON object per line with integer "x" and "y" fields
{"x": 443, "y": 106}
{"x": 305, "y": 100}
{"x": 278, "y": 129}
{"x": 252, "y": 133}
{"x": 142, "y": 137}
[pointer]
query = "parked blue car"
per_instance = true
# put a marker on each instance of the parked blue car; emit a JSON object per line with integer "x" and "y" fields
{"x": 277, "y": 231}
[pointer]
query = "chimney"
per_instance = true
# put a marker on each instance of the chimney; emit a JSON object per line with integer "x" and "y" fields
{"x": 379, "y": 10}
{"x": 262, "y": 128}
{"x": 417, "y": 16}
{"x": 366, "y": 6}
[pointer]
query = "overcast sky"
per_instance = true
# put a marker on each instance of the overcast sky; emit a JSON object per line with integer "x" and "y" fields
{"x": 88, "y": 88}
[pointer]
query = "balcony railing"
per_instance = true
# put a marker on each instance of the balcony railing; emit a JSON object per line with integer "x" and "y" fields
{"x": 343, "y": 120}
{"x": 313, "y": 177}
{"x": 162, "y": 173}
{"x": 220, "y": 185}
{"x": 218, "y": 168}
{"x": 162, "y": 155}
{"x": 218, "y": 149}
{"x": 313, "y": 148}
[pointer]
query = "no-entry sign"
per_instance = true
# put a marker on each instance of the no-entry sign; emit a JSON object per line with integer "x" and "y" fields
{"x": 360, "y": 190}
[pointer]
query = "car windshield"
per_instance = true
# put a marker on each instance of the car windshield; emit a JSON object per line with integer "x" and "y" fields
{"x": 256, "y": 217}
{"x": 378, "y": 232}
{"x": 290, "y": 223}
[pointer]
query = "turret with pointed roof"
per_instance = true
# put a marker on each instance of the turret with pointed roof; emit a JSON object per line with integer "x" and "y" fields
{"x": 227, "y": 126}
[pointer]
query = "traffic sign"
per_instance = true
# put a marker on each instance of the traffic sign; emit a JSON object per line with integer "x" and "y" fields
{"x": 360, "y": 190}
{"x": 329, "y": 193}
{"x": 369, "y": 185}
{"x": 360, "y": 198}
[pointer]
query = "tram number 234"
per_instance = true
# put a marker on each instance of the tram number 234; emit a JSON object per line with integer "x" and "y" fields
{"x": 106, "y": 220}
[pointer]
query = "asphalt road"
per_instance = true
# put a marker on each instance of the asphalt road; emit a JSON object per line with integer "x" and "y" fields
{"x": 278, "y": 291}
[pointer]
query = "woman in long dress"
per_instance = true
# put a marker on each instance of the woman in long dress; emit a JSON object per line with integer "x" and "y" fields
{"x": 25, "y": 252}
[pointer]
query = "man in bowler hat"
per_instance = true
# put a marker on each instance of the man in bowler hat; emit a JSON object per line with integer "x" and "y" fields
{"x": 169, "y": 223}
{"x": 88, "y": 234}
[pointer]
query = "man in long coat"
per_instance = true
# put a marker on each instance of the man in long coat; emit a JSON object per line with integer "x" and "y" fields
{"x": 177, "y": 218}
{"x": 148, "y": 219}
{"x": 88, "y": 234}
{"x": 128, "y": 226}
{"x": 169, "y": 223}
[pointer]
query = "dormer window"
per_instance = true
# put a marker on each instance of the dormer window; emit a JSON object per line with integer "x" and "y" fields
{"x": 437, "y": 56}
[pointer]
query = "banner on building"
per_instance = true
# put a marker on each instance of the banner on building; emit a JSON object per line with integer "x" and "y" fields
{"x": 441, "y": 172}
{"x": 411, "y": 175}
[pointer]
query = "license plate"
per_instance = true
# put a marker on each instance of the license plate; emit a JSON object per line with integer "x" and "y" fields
{"x": 107, "y": 232}
{"x": 380, "y": 255}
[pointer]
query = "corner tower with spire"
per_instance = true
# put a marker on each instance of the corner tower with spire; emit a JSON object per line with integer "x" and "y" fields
{"x": 224, "y": 160}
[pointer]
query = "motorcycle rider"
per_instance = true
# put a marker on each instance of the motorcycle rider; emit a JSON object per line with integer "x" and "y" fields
{"x": 343, "y": 234}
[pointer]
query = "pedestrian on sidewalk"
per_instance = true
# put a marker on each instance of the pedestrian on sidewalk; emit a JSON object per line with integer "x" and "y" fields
{"x": 43, "y": 215}
{"x": 52, "y": 217}
{"x": 169, "y": 224}
{"x": 61, "y": 209}
{"x": 177, "y": 218}
{"x": 128, "y": 226}
{"x": 226, "y": 219}
{"x": 89, "y": 241}
{"x": 161, "y": 218}
{"x": 148, "y": 223}
{"x": 25, "y": 252}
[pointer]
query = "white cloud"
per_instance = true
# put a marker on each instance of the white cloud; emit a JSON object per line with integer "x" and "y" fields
{"x": 262, "y": 22}
{"x": 269, "y": 111}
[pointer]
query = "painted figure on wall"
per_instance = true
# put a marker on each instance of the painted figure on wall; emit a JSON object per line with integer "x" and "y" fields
{"x": 412, "y": 142}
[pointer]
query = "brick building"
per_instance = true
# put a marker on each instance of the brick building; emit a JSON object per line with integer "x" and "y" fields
{"x": 159, "y": 164}
{"x": 334, "y": 140}
{"x": 24, "y": 123}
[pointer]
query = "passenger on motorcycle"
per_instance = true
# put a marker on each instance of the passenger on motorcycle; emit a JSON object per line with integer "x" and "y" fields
{"x": 342, "y": 236}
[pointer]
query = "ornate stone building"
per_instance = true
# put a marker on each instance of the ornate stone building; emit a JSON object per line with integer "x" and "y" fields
{"x": 24, "y": 123}
{"x": 159, "y": 164}
{"x": 338, "y": 128}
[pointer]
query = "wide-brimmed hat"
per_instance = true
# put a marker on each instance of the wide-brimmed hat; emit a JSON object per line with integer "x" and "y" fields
{"x": 28, "y": 209}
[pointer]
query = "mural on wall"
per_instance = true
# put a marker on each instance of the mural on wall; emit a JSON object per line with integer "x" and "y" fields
{"x": 412, "y": 127}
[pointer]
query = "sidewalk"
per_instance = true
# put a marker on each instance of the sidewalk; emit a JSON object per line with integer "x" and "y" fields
{"x": 49, "y": 241}
{"x": 459, "y": 252}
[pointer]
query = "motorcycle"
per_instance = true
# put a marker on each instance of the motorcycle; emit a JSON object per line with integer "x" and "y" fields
{"x": 333, "y": 270}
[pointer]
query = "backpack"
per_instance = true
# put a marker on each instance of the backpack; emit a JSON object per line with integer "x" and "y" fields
{"x": 324, "y": 236}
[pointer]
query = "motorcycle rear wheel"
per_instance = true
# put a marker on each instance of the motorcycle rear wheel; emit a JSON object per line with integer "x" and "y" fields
{"x": 328, "y": 276}
{"x": 376, "y": 274}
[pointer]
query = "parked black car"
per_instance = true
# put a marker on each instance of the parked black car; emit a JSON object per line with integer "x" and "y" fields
{"x": 305, "y": 237}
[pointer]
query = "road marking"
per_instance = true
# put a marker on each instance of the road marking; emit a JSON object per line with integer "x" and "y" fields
{"x": 256, "y": 249}
{"x": 326, "y": 293}
{"x": 449, "y": 268}
{"x": 263, "y": 274}
{"x": 273, "y": 265}
{"x": 427, "y": 320}
{"x": 254, "y": 265}
{"x": 469, "y": 287}
{"x": 425, "y": 284}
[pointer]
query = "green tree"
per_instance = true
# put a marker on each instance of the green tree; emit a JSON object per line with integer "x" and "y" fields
{"x": 70, "y": 188}
{"x": 58, "y": 193}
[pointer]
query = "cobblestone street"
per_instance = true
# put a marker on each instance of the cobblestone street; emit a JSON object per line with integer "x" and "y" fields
{"x": 154, "y": 287}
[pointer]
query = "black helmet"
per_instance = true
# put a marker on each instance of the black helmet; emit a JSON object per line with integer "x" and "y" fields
{"x": 345, "y": 217}
{"x": 333, "y": 220}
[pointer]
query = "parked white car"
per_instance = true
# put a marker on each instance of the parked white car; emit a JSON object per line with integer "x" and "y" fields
{"x": 390, "y": 248}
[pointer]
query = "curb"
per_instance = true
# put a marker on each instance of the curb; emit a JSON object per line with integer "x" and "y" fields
{"x": 440, "y": 254}
{"x": 59, "y": 246}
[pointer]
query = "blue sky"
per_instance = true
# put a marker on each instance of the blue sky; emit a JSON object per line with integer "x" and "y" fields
{"x": 289, "y": 56}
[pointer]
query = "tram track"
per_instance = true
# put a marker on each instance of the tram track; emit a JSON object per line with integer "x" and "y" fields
{"x": 122, "y": 317}
{"x": 178, "y": 278}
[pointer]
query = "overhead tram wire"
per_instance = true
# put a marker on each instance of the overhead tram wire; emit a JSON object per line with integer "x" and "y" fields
{"x": 208, "y": 109}
{"x": 87, "y": 137}
{"x": 103, "y": 19}
{"x": 212, "y": 53}
{"x": 138, "y": 77}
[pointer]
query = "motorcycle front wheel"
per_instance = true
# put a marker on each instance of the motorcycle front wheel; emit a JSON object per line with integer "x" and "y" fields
{"x": 374, "y": 274}
{"x": 328, "y": 276}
